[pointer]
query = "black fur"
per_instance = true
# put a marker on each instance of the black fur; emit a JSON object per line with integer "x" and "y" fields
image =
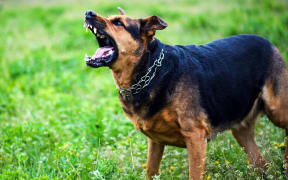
{"x": 229, "y": 73}
{"x": 275, "y": 70}
{"x": 133, "y": 29}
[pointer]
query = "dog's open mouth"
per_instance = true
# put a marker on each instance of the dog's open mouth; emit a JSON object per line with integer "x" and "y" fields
{"x": 107, "y": 51}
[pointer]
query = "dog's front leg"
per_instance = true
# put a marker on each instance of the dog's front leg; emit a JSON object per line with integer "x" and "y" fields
{"x": 155, "y": 152}
{"x": 196, "y": 144}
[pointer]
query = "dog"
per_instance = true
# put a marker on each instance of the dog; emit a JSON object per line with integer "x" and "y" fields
{"x": 184, "y": 95}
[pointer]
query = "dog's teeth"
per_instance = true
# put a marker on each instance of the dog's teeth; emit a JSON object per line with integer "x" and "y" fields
{"x": 102, "y": 36}
{"x": 86, "y": 57}
{"x": 95, "y": 30}
{"x": 97, "y": 35}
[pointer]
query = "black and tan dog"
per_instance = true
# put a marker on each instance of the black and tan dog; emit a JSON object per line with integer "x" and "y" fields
{"x": 184, "y": 95}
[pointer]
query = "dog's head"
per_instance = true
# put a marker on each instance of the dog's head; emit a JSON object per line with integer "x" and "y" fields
{"x": 122, "y": 40}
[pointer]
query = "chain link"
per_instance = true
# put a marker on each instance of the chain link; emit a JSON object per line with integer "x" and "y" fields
{"x": 146, "y": 79}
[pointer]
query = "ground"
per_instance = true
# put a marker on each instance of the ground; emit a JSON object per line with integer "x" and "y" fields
{"x": 60, "y": 119}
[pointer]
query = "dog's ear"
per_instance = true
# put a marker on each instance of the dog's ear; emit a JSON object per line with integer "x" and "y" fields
{"x": 150, "y": 24}
{"x": 121, "y": 11}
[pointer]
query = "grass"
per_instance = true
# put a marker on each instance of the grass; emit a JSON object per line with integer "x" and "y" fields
{"x": 62, "y": 120}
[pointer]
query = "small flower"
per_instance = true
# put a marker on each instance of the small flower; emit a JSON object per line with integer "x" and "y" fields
{"x": 281, "y": 145}
{"x": 285, "y": 166}
{"x": 172, "y": 168}
{"x": 248, "y": 162}
{"x": 64, "y": 146}
{"x": 208, "y": 177}
{"x": 275, "y": 144}
{"x": 71, "y": 152}
{"x": 216, "y": 162}
{"x": 227, "y": 162}
{"x": 144, "y": 165}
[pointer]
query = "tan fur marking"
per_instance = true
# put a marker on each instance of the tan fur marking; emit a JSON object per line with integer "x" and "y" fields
{"x": 245, "y": 137}
{"x": 196, "y": 144}
{"x": 163, "y": 128}
{"x": 155, "y": 152}
{"x": 276, "y": 107}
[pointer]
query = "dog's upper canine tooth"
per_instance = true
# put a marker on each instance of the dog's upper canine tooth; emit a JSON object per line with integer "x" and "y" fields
{"x": 86, "y": 57}
{"x": 95, "y": 30}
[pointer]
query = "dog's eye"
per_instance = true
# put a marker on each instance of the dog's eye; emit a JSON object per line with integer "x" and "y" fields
{"x": 117, "y": 22}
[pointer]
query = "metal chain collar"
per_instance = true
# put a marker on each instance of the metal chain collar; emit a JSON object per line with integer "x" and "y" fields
{"x": 145, "y": 80}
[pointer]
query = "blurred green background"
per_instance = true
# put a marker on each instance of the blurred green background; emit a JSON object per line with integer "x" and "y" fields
{"x": 62, "y": 120}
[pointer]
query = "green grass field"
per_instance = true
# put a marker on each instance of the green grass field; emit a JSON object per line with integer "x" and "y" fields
{"x": 60, "y": 119}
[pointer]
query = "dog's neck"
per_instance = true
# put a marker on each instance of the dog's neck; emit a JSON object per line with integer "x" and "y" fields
{"x": 128, "y": 69}
{"x": 143, "y": 71}
{"x": 150, "y": 55}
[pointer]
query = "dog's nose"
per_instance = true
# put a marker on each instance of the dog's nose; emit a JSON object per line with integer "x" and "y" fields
{"x": 90, "y": 14}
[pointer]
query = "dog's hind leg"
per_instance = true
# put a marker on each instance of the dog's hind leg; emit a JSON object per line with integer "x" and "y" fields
{"x": 276, "y": 107}
{"x": 275, "y": 96}
{"x": 155, "y": 152}
{"x": 244, "y": 135}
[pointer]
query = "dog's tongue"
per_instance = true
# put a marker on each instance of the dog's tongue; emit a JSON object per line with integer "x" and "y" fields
{"x": 103, "y": 51}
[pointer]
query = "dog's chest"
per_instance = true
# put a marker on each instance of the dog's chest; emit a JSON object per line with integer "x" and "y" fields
{"x": 162, "y": 128}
